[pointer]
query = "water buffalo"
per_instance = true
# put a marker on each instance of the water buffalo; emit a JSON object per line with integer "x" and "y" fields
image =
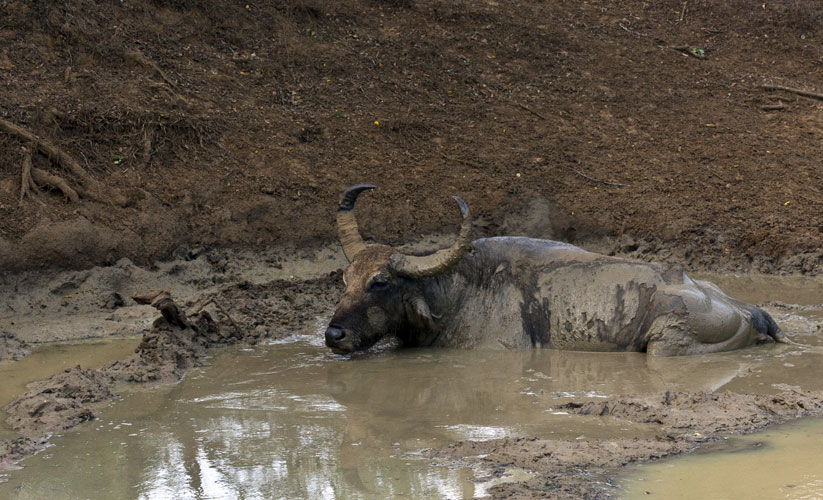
{"x": 515, "y": 292}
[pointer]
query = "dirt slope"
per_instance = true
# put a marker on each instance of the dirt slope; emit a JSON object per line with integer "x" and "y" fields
{"x": 234, "y": 124}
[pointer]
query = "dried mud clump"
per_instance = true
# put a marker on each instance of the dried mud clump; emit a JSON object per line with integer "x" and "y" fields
{"x": 11, "y": 347}
{"x": 58, "y": 403}
{"x": 168, "y": 350}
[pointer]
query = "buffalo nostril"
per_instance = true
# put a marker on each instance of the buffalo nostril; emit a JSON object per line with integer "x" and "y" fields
{"x": 334, "y": 335}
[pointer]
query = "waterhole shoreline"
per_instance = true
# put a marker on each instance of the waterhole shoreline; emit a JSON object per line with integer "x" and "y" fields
{"x": 235, "y": 297}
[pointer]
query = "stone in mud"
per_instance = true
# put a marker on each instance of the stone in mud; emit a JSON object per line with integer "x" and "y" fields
{"x": 14, "y": 450}
{"x": 11, "y": 347}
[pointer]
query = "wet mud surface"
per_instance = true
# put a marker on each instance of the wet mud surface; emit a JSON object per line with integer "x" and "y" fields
{"x": 273, "y": 305}
{"x": 225, "y": 313}
{"x": 683, "y": 421}
{"x": 254, "y": 302}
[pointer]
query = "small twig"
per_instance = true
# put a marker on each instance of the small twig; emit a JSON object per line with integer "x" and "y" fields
{"x": 804, "y": 93}
{"x": 25, "y": 179}
{"x": 458, "y": 160}
{"x": 683, "y": 11}
{"x": 642, "y": 35}
{"x": 689, "y": 50}
{"x": 147, "y": 135}
{"x": 773, "y": 107}
{"x": 136, "y": 56}
{"x": 364, "y": 94}
{"x": 223, "y": 311}
{"x": 593, "y": 179}
{"x": 535, "y": 113}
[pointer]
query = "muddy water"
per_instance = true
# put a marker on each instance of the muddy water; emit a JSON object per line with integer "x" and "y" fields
{"x": 782, "y": 462}
{"x": 290, "y": 420}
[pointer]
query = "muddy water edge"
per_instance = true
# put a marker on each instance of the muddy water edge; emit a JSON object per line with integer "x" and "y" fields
{"x": 286, "y": 418}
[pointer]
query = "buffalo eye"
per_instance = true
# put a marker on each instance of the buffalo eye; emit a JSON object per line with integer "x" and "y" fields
{"x": 378, "y": 285}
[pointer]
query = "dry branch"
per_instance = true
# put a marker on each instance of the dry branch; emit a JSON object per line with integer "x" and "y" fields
{"x": 594, "y": 179}
{"x": 535, "y": 113}
{"x": 93, "y": 189}
{"x": 44, "y": 178}
{"x": 804, "y": 93}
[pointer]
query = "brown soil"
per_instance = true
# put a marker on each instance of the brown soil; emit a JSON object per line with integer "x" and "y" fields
{"x": 575, "y": 469}
{"x": 239, "y": 125}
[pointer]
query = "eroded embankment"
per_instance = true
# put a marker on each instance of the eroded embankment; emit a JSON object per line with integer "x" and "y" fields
{"x": 583, "y": 469}
{"x": 176, "y": 342}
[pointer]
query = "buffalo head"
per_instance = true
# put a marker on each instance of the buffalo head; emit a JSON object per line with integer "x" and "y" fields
{"x": 383, "y": 290}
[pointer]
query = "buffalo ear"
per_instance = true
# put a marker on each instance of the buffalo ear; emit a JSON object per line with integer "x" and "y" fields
{"x": 419, "y": 315}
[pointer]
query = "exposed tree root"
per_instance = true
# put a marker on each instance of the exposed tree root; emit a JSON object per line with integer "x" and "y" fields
{"x": 93, "y": 189}
{"x": 44, "y": 178}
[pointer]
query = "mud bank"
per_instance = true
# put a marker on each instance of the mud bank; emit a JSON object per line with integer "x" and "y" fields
{"x": 584, "y": 469}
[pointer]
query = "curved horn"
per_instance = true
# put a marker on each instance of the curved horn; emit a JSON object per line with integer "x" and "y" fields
{"x": 430, "y": 265}
{"x": 347, "y": 230}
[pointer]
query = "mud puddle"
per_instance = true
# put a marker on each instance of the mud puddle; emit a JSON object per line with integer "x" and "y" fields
{"x": 781, "y": 462}
{"x": 290, "y": 420}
